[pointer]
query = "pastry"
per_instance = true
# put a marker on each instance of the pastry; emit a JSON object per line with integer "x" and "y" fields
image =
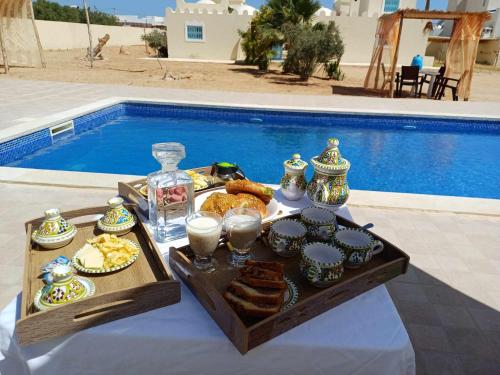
{"x": 245, "y": 186}
{"x": 220, "y": 203}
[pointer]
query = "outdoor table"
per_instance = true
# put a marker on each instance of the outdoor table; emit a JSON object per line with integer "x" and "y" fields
{"x": 432, "y": 74}
{"x": 364, "y": 335}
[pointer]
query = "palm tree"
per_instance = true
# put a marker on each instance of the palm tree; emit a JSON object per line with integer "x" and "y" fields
{"x": 293, "y": 11}
{"x": 427, "y": 4}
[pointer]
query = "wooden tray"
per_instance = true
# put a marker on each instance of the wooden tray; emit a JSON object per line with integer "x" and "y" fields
{"x": 250, "y": 333}
{"x": 145, "y": 285}
{"x": 130, "y": 190}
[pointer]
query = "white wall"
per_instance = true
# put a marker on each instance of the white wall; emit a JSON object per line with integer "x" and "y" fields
{"x": 67, "y": 35}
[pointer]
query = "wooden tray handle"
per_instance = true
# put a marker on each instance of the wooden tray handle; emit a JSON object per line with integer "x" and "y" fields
{"x": 96, "y": 310}
{"x": 133, "y": 196}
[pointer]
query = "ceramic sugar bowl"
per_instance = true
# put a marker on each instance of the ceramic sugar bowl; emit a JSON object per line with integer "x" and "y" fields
{"x": 54, "y": 232}
{"x": 328, "y": 187}
{"x": 117, "y": 219}
{"x": 65, "y": 288}
{"x": 293, "y": 183}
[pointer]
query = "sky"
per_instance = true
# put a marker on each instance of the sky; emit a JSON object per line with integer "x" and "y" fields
{"x": 157, "y": 7}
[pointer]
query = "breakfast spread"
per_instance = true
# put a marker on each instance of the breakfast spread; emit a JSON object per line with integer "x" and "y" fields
{"x": 258, "y": 290}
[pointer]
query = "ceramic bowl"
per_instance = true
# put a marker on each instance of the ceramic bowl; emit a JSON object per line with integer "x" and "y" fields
{"x": 54, "y": 232}
{"x": 358, "y": 245}
{"x": 287, "y": 237}
{"x": 320, "y": 223}
{"x": 65, "y": 288}
{"x": 117, "y": 219}
{"x": 322, "y": 264}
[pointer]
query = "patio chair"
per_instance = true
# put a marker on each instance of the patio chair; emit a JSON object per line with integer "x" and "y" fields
{"x": 409, "y": 77}
{"x": 386, "y": 77}
{"x": 447, "y": 83}
{"x": 427, "y": 79}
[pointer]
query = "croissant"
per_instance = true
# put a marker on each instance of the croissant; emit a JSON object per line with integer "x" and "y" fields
{"x": 245, "y": 186}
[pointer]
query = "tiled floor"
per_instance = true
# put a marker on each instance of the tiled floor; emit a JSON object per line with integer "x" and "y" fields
{"x": 449, "y": 300}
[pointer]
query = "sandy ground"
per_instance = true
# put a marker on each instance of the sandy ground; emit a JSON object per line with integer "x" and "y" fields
{"x": 69, "y": 66}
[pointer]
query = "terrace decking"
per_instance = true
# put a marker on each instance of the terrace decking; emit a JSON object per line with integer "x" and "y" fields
{"x": 450, "y": 298}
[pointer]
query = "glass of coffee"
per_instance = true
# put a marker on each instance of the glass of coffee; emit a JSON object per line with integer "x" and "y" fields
{"x": 204, "y": 230}
{"x": 243, "y": 226}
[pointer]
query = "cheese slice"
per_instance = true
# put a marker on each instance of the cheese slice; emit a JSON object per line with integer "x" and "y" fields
{"x": 91, "y": 257}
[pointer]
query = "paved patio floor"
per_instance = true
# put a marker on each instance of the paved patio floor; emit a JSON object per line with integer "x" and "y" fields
{"x": 449, "y": 300}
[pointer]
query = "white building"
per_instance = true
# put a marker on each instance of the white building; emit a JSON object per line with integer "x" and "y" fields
{"x": 147, "y": 21}
{"x": 371, "y": 8}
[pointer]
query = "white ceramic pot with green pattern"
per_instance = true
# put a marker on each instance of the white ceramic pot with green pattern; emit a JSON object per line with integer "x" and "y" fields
{"x": 293, "y": 183}
{"x": 287, "y": 237}
{"x": 322, "y": 264}
{"x": 328, "y": 187}
{"x": 358, "y": 245}
{"x": 320, "y": 223}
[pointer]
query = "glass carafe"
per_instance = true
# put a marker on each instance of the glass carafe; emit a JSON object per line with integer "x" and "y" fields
{"x": 170, "y": 193}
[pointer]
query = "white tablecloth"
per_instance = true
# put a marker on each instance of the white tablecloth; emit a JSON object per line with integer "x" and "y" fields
{"x": 362, "y": 336}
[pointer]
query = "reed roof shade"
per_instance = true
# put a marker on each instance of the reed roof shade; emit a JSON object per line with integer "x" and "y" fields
{"x": 460, "y": 56}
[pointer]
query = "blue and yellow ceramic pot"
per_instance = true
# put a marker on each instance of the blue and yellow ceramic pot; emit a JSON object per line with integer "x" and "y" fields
{"x": 117, "y": 219}
{"x": 54, "y": 232}
{"x": 328, "y": 187}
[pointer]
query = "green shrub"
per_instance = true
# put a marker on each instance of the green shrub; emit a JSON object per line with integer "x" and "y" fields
{"x": 310, "y": 46}
{"x": 50, "y": 11}
{"x": 157, "y": 40}
{"x": 333, "y": 71}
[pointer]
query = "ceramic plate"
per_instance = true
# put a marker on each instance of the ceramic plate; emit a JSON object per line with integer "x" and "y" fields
{"x": 76, "y": 262}
{"x": 272, "y": 207}
{"x": 144, "y": 191}
{"x": 89, "y": 292}
{"x": 291, "y": 294}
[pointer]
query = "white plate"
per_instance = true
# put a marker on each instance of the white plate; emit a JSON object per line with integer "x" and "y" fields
{"x": 272, "y": 207}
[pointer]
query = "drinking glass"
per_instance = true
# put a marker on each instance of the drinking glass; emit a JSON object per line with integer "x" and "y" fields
{"x": 204, "y": 230}
{"x": 243, "y": 226}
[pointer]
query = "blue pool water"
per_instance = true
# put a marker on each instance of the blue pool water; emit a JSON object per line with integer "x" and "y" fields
{"x": 397, "y": 154}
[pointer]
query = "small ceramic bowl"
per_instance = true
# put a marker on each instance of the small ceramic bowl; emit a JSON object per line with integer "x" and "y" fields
{"x": 320, "y": 223}
{"x": 287, "y": 237}
{"x": 358, "y": 246}
{"x": 322, "y": 264}
{"x": 54, "y": 232}
{"x": 117, "y": 219}
{"x": 65, "y": 288}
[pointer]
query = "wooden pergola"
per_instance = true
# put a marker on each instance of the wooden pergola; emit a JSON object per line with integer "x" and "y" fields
{"x": 460, "y": 56}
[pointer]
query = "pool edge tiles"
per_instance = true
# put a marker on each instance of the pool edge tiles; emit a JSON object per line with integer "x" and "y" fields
{"x": 17, "y": 148}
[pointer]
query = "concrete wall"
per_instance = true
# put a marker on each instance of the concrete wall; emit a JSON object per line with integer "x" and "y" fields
{"x": 67, "y": 35}
{"x": 487, "y": 50}
{"x": 221, "y": 38}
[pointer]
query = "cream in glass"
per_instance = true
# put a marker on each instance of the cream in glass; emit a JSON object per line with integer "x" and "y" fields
{"x": 204, "y": 230}
{"x": 243, "y": 226}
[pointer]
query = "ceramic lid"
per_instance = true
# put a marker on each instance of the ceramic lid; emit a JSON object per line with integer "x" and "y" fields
{"x": 330, "y": 160}
{"x": 295, "y": 163}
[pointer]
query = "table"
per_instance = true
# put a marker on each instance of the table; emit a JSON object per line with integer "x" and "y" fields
{"x": 364, "y": 336}
{"x": 433, "y": 74}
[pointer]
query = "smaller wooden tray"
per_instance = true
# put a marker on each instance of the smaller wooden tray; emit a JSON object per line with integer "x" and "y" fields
{"x": 130, "y": 190}
{"x": 247, "y": 333}
{"x": 145, "y": 285}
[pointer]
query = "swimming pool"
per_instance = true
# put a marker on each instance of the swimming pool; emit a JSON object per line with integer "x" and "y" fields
{"x": 440, "y": 156}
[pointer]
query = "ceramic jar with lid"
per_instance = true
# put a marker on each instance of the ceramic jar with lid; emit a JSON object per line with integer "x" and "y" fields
{"x": 328, "y": 187}
{"x": 293, "y": 183}
{"x": 55, "y": 231}
{"x": 117, "y": 219}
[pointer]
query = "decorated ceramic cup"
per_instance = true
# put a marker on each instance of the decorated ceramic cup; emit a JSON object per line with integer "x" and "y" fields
{"x": 322, "y": 264}
{"x": 320, "y": 223}
{"x": 54, "y": 232}
{"x": 287, "y": 237}
{"x": 65, "y": 288}
{"x": 117, "y": 219}
{"x": 358, "y": 245}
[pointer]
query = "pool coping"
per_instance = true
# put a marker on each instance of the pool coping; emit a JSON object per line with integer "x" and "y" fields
{"x": 362, "y": 198}
{"x": 32, "y": 126}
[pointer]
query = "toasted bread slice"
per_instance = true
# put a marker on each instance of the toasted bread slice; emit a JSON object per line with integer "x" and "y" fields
{"x": 246, "y": 308}
{"x": 273, "y": 266}
{"x": 261, "y": 283}
{"x": 256, "y": 295}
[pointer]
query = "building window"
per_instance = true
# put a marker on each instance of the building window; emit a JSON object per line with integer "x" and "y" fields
{"x": 391, "y": 6}
{"x": 194, "y": 33}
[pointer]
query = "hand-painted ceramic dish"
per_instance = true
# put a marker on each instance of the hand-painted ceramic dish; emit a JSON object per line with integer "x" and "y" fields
{"x": 65, "y": 288}
{"x": 291, "y": 294}
{"x": 54, "y": 232}
{"x": 320, "y": 223}
{"x": 358, "y": 245}
{"x": 117, "y": 219}
{"x": 322, "y": 264}
{"x": 293, "y": 183}
{"x": 287, "y": 237}
{"x": 76, "y": 262}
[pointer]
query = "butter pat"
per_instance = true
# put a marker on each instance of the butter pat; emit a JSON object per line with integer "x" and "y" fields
{"x": 91, "y": 257}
